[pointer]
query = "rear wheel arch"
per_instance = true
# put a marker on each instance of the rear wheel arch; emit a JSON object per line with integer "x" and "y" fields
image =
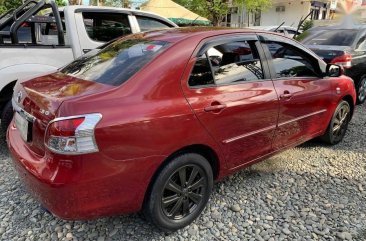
{"x": 350, "y": 101}
{"x": 204, "y": 150}
{"x": 6, "y": 93}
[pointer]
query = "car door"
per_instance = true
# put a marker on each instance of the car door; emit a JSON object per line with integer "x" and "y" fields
{"x": 305, "y": 96}
{"x": 232, "y": 96}
{"x": 97, "y": 27}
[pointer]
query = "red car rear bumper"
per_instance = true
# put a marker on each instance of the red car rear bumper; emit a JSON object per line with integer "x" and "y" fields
{"x": 82, "y": 187}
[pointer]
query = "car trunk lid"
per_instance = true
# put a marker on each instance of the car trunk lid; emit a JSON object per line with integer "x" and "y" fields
{"x": 328, "y": 52}
{"x": 39, "y": 99}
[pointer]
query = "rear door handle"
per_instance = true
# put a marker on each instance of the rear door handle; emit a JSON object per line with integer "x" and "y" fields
{"x": 215, "y": 108}
{"x": 286, "y": 95}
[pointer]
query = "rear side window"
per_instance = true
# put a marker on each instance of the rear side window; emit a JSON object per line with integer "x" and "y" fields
{"x": 116, "y": 63}
{"x": 228, "y": 63}
{"x": 201, "y": 73}
{"x": 104, "y": 27}
{"x": 333, "y": 37}
{"x": 147, "y": 24}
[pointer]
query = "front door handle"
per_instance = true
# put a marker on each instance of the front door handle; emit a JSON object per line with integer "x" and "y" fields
{"x": 215, "y": 108}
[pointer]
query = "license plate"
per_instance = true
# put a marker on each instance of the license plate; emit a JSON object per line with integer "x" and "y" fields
{"x": 23, "y": 127}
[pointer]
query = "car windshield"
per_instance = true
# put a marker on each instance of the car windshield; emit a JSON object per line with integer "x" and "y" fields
{"x": 116, "y": 63}
{"x": 333, "y": 37}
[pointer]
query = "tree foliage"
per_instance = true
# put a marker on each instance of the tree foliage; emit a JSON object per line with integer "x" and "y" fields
{"x": 215, "y": 10}
{"x": 6, "y": 5}
{"x": 60, "y": 3}
{"x": 254, "y": 5}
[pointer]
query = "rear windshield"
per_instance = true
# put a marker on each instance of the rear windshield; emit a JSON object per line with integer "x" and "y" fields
{"x": 116, "y": 63}
{"x": 333, "y": 37}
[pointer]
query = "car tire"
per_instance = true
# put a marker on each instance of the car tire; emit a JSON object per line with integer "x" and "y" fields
{"x": 6, "y": 116}
{"x": 180, "y": 192}
{"x": 338, "y": 125}
{"x": 361, "y": 90}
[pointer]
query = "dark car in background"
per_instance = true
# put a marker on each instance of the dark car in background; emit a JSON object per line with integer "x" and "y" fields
{"x": 345, "y": 47}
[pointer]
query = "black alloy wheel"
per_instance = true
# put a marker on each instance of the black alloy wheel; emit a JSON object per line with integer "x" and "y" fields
{"x": 183, "y": 192}
{"x": 180, "y": 192}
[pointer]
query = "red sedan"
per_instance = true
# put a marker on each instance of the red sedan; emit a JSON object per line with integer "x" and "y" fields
{"x": 152, "y": 120}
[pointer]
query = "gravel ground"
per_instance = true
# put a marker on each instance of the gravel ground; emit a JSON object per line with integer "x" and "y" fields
{"x": 312, "y": 192}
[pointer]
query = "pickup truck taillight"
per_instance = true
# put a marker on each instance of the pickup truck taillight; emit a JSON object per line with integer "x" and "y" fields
{"x": 72, "y": 135}
{"x": 343, "y": 60}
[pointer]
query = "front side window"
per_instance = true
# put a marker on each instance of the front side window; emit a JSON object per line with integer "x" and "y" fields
{"x": 288, "y": 61}
{"x": 104, "y": 27}
{"x": 238, "y": 61}
{"x": 147, "y": 24}
{"x": 116, "y": 63}
{"x": 228, "y": 63}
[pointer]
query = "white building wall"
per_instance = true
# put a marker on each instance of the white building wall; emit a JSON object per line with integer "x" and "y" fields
{"x": 291, "y": 16}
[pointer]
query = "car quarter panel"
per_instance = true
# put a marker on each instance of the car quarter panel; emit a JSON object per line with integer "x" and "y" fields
{"x": 141, "y": 117}
{"x": 134, "y": 137}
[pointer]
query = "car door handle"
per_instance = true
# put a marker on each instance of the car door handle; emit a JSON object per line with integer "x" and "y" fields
{"x": 286, "y": 95}
{"x": 215, "y": 108}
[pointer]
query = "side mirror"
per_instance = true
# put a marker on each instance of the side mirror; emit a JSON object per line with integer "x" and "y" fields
{"x": 334, "y": 70}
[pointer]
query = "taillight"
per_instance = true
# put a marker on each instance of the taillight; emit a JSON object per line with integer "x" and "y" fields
{"x": 72, "y": 135}
{"x": 343, "y": 60}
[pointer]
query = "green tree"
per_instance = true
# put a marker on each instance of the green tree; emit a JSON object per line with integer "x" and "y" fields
{"x": 215, "y": 10}
{"x": 60, "y": 3}
{"x": 6, "y": 5}
{"x": 12, "y": 4}
{"x": 254, "y": 6}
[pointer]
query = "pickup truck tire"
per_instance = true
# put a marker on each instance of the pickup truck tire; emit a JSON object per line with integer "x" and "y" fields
{"x": 6, "y": 116}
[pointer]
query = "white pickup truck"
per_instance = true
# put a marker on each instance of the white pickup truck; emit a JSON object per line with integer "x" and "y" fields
{"x": 38, "y": 38}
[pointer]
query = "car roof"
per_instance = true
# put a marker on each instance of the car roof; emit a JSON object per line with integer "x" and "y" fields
{"x": 76, "y": 8}
{"x": 177, "y": 34}
{"x": 272, "y": 27}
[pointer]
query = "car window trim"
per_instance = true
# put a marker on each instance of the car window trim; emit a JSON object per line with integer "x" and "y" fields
{"x": 228, "y": 84}
{"x": 98, "y": 10}
{"x": 222, "y": 40}
{"x": 157, "y": 19}
{"x": 297, "y": 78}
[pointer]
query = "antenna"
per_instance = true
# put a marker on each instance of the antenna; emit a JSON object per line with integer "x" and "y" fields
{"x": 194, "y": 20}
{"x": 279, "y": 27}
